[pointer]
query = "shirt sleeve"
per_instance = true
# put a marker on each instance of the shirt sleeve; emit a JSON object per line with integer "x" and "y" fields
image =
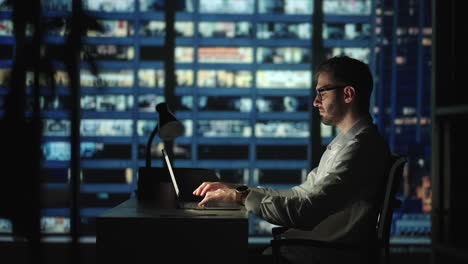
{"x": 347, "y": 179}
{"x": 300, "y": 190}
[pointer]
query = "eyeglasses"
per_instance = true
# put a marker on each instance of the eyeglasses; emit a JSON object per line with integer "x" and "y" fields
{"x": 320, "y": 90}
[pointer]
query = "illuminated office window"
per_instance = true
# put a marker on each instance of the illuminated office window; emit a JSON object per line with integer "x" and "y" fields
{"x": 282, "y": 129}
{"x": 109, "y": 52}
{"x": 57, "y": 151}
{"x": 107, "y": 78}
{"x": 155, "y": 78}
{"x": 347, "y": 7}
{"x": 105, "y": 128}
{"x": 152, "y": 29}
{"x": 184, "y": 54}
{"x": 109, "y": 5}
{"x": 184, "y": 28}
{"x": 113, "y": 28}
{"x": 227, "y": 6}
{"x": 6, "y": 27}
{"x": 150, "y": 78}
{"x": 56, "y": 127}
{"x": 57, "y": 5}
{"x": 290, "y": 7}
{"x": 184, "y": 77}
{"x": 225, "y": 29}
{"x": 282, "y": 104}
{"x": 224, "y": 128}
{"x": 107, "y": 103}
{"x": 284, "y": 30}
{"x": 347, "y": 31}
{"x": 279, "y": 79}
{"x": 225, "y": 78}
{"x": 354, "y": 52}
{"x": 148, "y": 102}
{"x": 55, "y": 225}
{"x": 280, "y": 55}
{"x": 30, "y": 79}
{"x": 157, "y": 28}
{"x": 225, "y": 55}
{"x": 4, "y": 76}
{"x": 145, "y": 127}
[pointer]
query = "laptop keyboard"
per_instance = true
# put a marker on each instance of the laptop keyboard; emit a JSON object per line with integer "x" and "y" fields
{"x": 191, "y": 205}
{"x": 194, "y": 205}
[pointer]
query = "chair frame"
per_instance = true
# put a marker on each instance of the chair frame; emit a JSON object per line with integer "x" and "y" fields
{"x": 378, "y": 249}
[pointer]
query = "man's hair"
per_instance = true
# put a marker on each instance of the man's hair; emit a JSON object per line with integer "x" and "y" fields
{"x": 346, "y": 70}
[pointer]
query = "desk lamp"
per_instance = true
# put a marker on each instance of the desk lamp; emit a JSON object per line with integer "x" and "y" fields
{"x": 168, "y": 127}
{"x": 150, "y": 179}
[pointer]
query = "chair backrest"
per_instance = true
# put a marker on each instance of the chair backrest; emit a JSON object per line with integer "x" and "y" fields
{"x": 389, "y": 203}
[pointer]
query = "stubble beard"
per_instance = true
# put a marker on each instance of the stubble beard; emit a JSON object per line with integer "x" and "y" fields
{"x": 335, "y": 113}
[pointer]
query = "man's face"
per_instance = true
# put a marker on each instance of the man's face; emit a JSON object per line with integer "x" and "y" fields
{"x": 330, "y": 105}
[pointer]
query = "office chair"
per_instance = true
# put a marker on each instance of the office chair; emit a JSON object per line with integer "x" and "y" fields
{"x": 378, "y": 249}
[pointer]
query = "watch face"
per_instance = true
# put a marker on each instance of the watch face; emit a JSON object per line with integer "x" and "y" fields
{"x": 242, "y": 188}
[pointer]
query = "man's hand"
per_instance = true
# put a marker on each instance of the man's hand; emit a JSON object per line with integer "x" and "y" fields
{"x": 225, "y": 195}
{"x": 206, "y": 187}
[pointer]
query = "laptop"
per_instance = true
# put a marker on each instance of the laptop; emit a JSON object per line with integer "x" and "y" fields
{"x": 185, "y": 198}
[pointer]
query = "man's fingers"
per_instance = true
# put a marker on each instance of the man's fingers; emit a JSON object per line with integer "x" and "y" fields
{"x": 208, "y": 187}
{"x": 205, "y": 200}
{"x": 202, "y": 203}
{"x": 198, "y": 191}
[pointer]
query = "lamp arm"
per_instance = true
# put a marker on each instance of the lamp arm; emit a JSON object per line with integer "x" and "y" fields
{"x": 148, "y": 147}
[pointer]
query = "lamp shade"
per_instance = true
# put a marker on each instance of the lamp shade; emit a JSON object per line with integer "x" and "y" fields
{"x": 169, "y": 127}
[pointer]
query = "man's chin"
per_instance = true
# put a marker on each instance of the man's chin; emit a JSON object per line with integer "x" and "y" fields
{"x": 327, "y": 121}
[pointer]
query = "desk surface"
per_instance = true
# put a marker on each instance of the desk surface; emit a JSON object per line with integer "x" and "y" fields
{"x": 144, "y": 232}
{"x": 133, "y": 208}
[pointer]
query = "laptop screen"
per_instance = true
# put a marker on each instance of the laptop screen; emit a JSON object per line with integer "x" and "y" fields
{"x": 171, "y": 172}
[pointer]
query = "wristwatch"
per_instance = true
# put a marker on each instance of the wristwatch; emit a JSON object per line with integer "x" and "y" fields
{"x": 242, "y": 190}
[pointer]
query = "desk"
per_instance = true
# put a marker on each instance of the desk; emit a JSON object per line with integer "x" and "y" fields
{"x": 137, "y": 232}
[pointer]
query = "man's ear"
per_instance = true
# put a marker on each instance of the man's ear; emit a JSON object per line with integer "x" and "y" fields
{"x": 349, "y": 93}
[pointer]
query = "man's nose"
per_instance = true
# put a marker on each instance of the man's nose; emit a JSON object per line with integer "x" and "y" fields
{"x": 316, "y": 102}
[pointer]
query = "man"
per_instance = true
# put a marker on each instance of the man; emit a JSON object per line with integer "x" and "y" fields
{"x": 339, "y": 200}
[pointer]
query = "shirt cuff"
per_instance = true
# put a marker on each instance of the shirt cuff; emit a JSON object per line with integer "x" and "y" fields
{"x": 253, "y": 201}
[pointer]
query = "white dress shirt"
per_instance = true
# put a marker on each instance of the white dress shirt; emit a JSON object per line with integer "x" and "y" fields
{"x": 339, "y": 199}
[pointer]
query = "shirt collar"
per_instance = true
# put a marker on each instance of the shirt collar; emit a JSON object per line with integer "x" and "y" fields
{"x": 341, "y": 138}
{"x": 364, "y": 122}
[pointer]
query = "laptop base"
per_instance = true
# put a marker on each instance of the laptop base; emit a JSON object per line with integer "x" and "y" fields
{"x": 209, "y": 206}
